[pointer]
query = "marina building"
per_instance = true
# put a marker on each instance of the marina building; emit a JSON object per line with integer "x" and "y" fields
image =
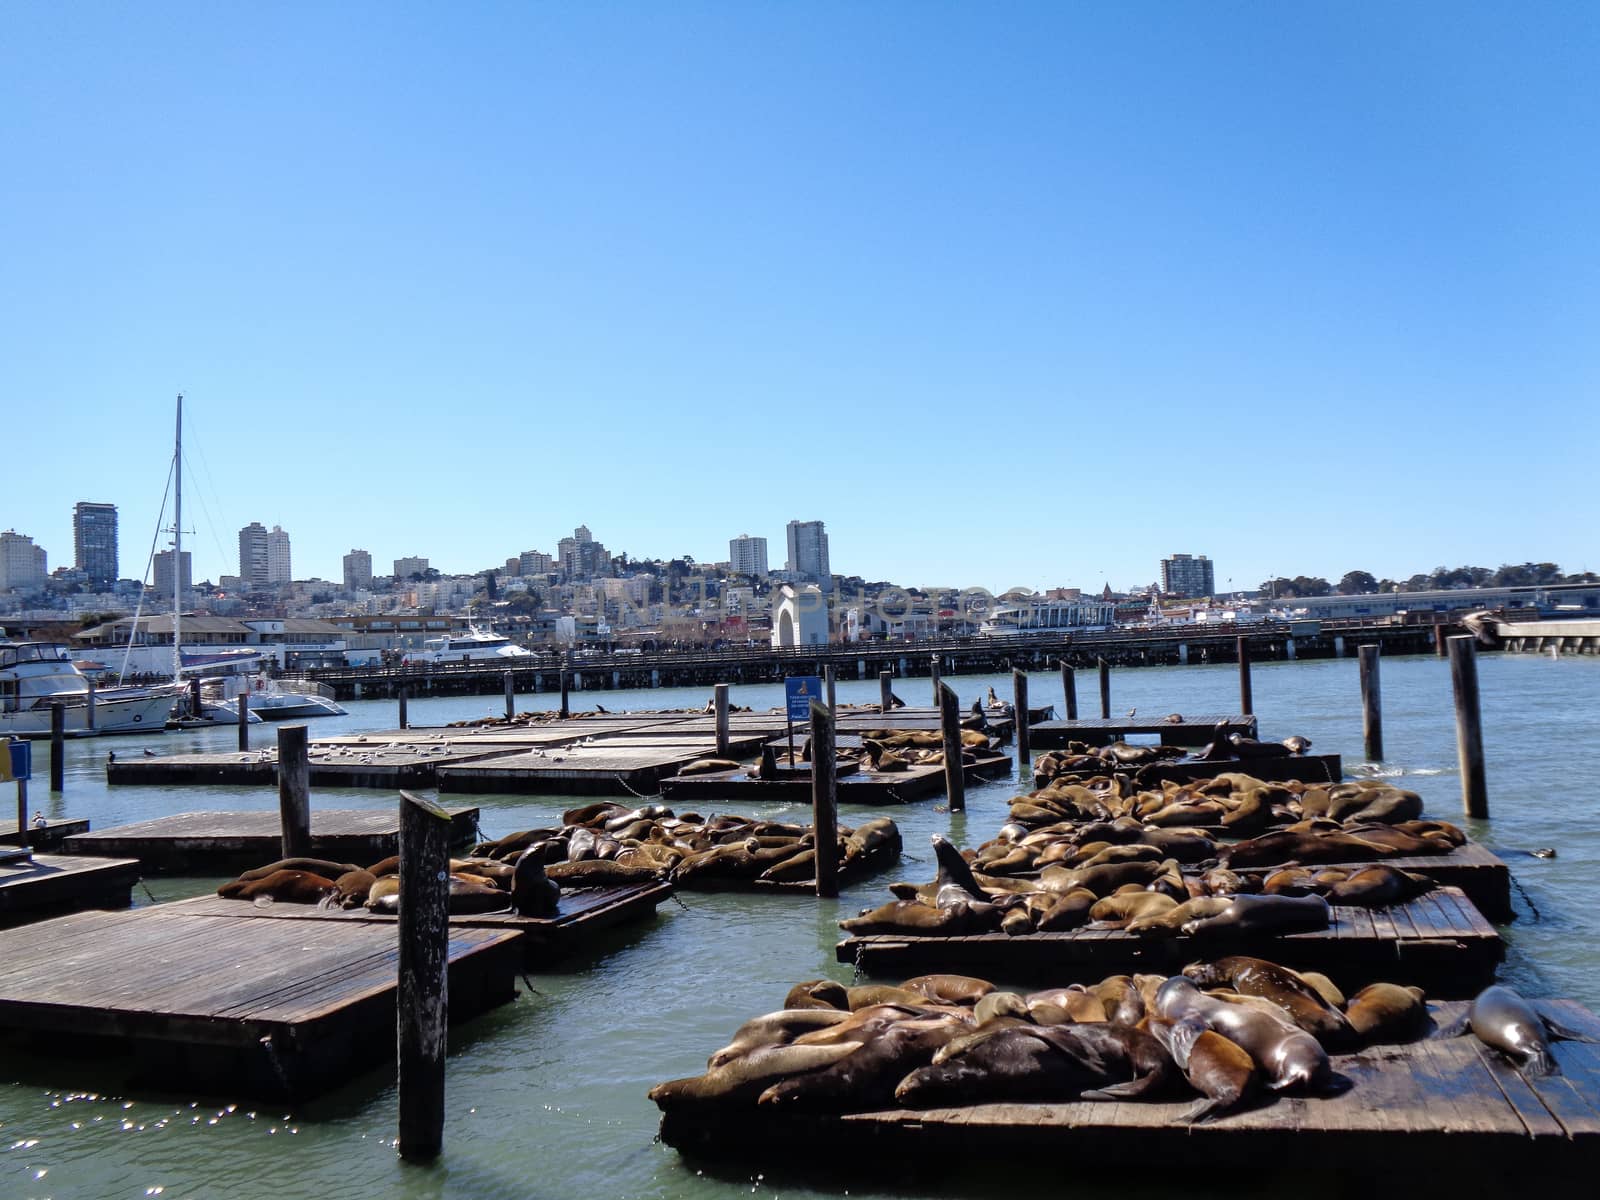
{"x": 357, "y": 570}
{"x": 1188, "y": 576}
{"x": 161, "y": 577}
{"x": 748, "y": 555}
{"x": 94, "y": 542}
{"x": 278, "y": 569}
{"x": 253, "y": 555}
{"x": 808, "y": 553}
{"x": 22, "y": 564}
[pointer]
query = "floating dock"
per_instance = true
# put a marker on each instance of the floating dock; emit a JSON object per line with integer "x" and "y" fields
{"x": 33, "y": 886}
{"x": 221, "y": 843}
{"x": 1427, "y": 1112}
{"x": 1101, "y": 731}
{"x": 862, "y": 786}
{"x": 221, "y": 1004}
{"x": 1438, "y": 941}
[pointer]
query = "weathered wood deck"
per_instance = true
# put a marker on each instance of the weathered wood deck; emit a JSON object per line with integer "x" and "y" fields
{"x": 1098, "y": 731}
{"x": 1436, "y": 1113}
{"x": 603, "y": 768}
{"x": 1438, "y": 941}
{"x": 219, "y": 843}
{"x": 45, "y": 838}
{"x": 41, "y": 885}
{"x": 858, "y": 787}
{"x": 229, "y": 1006}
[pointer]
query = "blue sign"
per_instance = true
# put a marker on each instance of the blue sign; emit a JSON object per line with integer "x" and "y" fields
{"x": 16, "y": 761}
{"x": 798, "y": 692}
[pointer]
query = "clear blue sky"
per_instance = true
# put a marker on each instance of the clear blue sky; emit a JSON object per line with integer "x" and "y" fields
{"x": 1007, "y": 294}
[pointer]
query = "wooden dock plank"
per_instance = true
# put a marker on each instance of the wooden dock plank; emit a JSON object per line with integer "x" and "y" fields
{"x": 50, "y": 884}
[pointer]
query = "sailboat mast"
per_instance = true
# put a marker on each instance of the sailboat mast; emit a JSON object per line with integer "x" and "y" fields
{"x": 177, "y": 545}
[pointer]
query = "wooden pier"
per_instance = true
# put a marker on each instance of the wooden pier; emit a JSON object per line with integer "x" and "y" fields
{"x": 1438, "y": 941}
{"x": 1425, "y": 1117}
{"x": 1099, "y": 731}
{"x": 33, "y": 886}
{"x": 220, "y": 843}
{"x": 861, "y": 786}
{"x": 232, "y": 1006}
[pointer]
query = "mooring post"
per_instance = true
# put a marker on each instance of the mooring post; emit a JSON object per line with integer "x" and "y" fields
{"x": 721, "y": 694}
{"x": 1371, "y": 704}
{"x": 1069, "y": 689}
{"x": 294, "y": 790}
{"x": 1105, "y": 690}
{"x": 58, "y": 747}
{"x": 89, "y": 717}
{"x": 1246, "y": 700}
{"x": 1469, "y": 728}
{"x": 933, "y": 673}
{"x": 511, "y": 691}
{"x": 422, "y": 1007}
{"x": 22, "y": 812}
{"x": 1441, "y": 644}
{"x": 1019, "y": 693}
{"x": 242, "y": 703}
{"x": 955, "y": 779}
{"x": 566, "y": 688}
{"x": 196, "y": 705}
{"x": 829, "y": 675}
{"x": 824, "y": 801}
{"x": 404, "y": 722}
{"x": 885, "y": 690}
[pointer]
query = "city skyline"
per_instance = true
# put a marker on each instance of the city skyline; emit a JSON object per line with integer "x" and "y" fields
{"x": 948, "y": 282}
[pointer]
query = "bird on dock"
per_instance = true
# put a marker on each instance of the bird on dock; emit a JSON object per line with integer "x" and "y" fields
{"x": 149, "y": 753}
{"x": 111, "y": 757}
{"x": 1131, "y": 711}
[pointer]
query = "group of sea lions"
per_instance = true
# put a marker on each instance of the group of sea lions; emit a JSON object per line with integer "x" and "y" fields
{"x": 607, "y": 843}
{"x": 476, "y": 885}
{"x": 1083, "y": 758}
{"x": 1225, "y": 1030}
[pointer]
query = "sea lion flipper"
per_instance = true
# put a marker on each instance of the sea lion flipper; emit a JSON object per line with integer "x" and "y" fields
{"x": 1557, "y": 1030}
{"x": 1131, "y": 1090}
{"x": 1202, "y": 1111}
{"x": 1456, "y": 1028}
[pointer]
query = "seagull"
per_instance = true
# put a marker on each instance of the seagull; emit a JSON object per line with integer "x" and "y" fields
{"x": 111, "y": 756}
{"x": 149, "y": 753}
{"x": 1131, "y": 711}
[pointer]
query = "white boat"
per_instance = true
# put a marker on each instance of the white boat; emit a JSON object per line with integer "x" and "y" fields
{"x": 472, "y": 646}
{"x": 1028, "y": 616}
{"x": 36, "y": 675}
{"x": 282, "y": 699}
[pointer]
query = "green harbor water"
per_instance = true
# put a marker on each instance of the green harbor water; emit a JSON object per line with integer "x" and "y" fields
{"x": 546, "y": 1096}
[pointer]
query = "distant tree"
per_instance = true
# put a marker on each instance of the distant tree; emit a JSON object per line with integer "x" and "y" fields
{"x": 1355, "y": 583}
{"x": 1275, "y": 587}
{"x": 1310, "y": 585}
{"x": 491, "y": 584}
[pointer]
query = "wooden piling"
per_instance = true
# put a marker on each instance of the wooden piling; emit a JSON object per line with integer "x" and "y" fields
{"x": 196, "y": 704}
{"x": 885, "y": 690}
{"x": 721, "y": 703}
{"x": 829, "y": 677}
{"x": 89, "y": 717}
{"x": 566, "y": 689}
{"x": 824, "y": 801}
{"x": 242, "y": 703}
{"x": 1441, "y": 644}
{"x": 1469, "y": 728}
{"x": 1371, "y": 704}
{"x": 403, "y": 695}
{"x": 1246, "y": 699}
{"x": 58, "y": 746}
{"x": 294, "y": 790}
{"x": 955, "y": 780}
{"x": 1105, "y": 690}
{"x": 22, "y": 812}
{"x": 421, "y": 1004}
{"x": 1019, "y": 692}
{"x": 1069, "y": 689}
{"x": 933, "y": 673}
{"x": 511, "y": 691}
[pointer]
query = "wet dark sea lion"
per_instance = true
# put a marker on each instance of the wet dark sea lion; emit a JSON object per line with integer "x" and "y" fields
{"x": 1264, "y": 914}
{"x": 1216, "y": 1067}
{"x": 533, "y": 893}
{"x": 1501, "y": 1018}
{"x": 1287, "y": 1055}
{"x": 866, "y": 1079}
{"x": 1258, "y": 977}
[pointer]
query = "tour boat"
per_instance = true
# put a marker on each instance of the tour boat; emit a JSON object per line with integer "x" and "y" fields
{"x": 473, "y": 645}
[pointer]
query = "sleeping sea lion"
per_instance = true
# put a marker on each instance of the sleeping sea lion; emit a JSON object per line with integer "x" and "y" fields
{"x": 866, "y": 1079}
{"x": 1215, "y": 1066}
{"x": 1287, "y": 1055}
{"x": 774, "y": 1028}
{"x": 294, "y": 887}
{"x": 746, "y": 1077}
{"x": 1263, "y": 914}
{"x": 1258, "y": 977}
{"x": 1386, "y": 1012}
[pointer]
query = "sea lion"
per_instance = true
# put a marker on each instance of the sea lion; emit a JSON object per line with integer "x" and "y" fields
{"x": 708, "y": 766}
{"x": 866, "y": 1079}
{"x": 315, "y": 866}
{"x": 746, "y": 1077}
{"x": 1123, "y": 908}
{"x": 1215, "y": 1066}
{"x": 1170, "y": 922}
{"x": 1287, "y": 1055}
{"x": 293, "y": 887}
{"x": 597, "y": 873}
{"x": 954, "y": 879}
{"x": 950, "y": 989}
{"x": 533, "y": 893}
{"x": 1501, "y": 1018}
{"x": 1043, "y": 1063}
{"x": 384, "y": 895}
{"x": 774, "y": 1028}
{"x": 1263, "y": 914}
{"x": 1379, "y": 886}
{"x": 912, "y": 916}
{"x": 1387, "y": 1012}
{"x": 350, "y": 889}
{"x": 1285, "y": 988}
{"x": 1295, "y": 744}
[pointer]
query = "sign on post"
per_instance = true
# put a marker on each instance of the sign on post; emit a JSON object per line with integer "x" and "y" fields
{"x": 16, "y": 761}
{"x": 798, "y": 693}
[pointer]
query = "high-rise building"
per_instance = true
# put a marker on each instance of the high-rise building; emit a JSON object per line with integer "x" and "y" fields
{"x": 278, "y": 568}
{"x": 1188, "y": 576}
{"x": 357, "y": 570}
{"x": 535, "y": 562}
{"x": 808, "y": 553}
{"x": 253, "y": 555}
{"x": 161, "y": 579}
{"x": 22, "y": 564}
{"x": 94, "y": 542}
{"x": 405, "y": 568}
{"x": 747, "y": 555}
{"x": 582, "y": 557}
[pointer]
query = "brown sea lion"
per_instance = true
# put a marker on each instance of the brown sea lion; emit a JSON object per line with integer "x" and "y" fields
{"x": 1215, "y": 1066}
{"x": 597, "y": 873}
{"x": 384, "y": 895}
{"x": 744, "y": 1078}
{"x": 293, "y": 887}
{"x": 1263, "y": 914}
{"x": 950, "y": 989}
{"x": 315, "y": 866}
{"x": 1387, "y": 1012}
{"x": 350, "y": 889}
{"x": 1169, "y": 923}
{"x": 1379, "y": 886}
{"x": 708, "y": 766}
{"x": 866, "y": 1079}
{"x": 1285, "y": 988}
{"x": 818, "y": 993}
{"x": 912, "y": 916}
{"x": 1043, "y": 1063}
{"x": 1288, "y": 1056}
{"x": 774, "y": 1028}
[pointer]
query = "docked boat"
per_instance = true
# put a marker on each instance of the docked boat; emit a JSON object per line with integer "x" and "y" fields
{"x": 284, "y": 699}
{"x": 36, "y": 675}
{"x": 472, "y": 646}
{"x": 1030, "y": 616}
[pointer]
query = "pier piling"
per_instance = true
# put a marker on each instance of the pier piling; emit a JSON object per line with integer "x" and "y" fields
{"x": 1069, "y": 689}
{"x": 294, "y": 790}
{"x": 885, "y": 691}
{"x": 511, "y": 704}
{"x": 1019, "y": 692}
{"x": 933, "y": 673}
{"x": 58, "y": 746}
{"x": 1246, "y": 700}
{"x": 824, "y": 801}
{"x": 955, "y": 780}
{"x": 1469, "y": 728}
{"x": 1105, "y": 690}
{"x": 1371, "y": 704}
{"x": 422, "y": 1004}
{"x": 721, "y": 705}
{"x": 829, "y": 678}
{"x": 566, "y": 688}
{"x": 242, "y": 701}
{"x": 404, "y": 723}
